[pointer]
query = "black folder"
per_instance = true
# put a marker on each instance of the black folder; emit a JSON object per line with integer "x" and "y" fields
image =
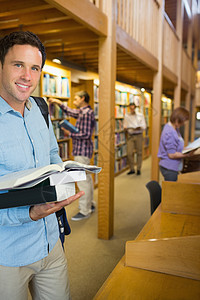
{"x": 39, "y": 194}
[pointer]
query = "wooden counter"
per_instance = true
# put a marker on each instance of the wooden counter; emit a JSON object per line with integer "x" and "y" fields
{"x": 135, "y": 283}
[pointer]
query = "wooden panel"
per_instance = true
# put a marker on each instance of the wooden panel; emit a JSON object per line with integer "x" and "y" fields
{"x": 191, "y": 177}
{"x": 132, "y": 47}
{"x": 139, "y": 19}
{"x": 87, "y": 14}
{"x": 185, "y": 67}
{"x": 133, "y": 283}
{"x": 175, "y": 256}
{"x": 180, "y": 198}
{"x": 170, "y": 48}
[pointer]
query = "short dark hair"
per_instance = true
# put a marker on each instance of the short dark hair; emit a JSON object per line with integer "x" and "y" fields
{"x": 85, "y": 95}
{"x": 21, "y": 38}
{"x": 179, "y": 114}
{"x": 132, "y": 103}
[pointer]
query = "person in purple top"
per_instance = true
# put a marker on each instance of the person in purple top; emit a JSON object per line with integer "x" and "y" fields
{"x": 82, "y": 146}
{"x": 172, "y": 144}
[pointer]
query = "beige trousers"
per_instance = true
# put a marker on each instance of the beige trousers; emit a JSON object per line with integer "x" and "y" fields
{"x": 134, "y": 142}
{"x": 47, "y": 279}
{"x": 86, "y": 200}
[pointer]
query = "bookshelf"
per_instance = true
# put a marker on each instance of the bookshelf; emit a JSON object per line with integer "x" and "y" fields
{"x": 121, "y": 105}
{"x": 55, "y": 82}
{"x": 166, "y": 110}
{"x": 124, "y": 94}
{"x": 148, "y": 119}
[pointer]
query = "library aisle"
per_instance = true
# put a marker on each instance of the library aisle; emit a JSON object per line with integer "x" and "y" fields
{"x": 91, "y": 260}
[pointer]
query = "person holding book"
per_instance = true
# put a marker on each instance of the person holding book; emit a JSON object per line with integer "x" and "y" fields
{"x": 172, "y": 144}
{"x": 134, "y": 124}
{"x": 31, "y": 253}
{"x": 82, "y": 146}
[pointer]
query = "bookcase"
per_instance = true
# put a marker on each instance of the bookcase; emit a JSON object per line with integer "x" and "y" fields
{"x": 121, "y": 105}
{"x": 166, "y": 110}
{"x": 55, "y": 82}
{"x": 147, "y": 110}
{"x": 124, "y": 94}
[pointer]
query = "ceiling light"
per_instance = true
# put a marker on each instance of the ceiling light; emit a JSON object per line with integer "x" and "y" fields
{"x": 57, "y": 61}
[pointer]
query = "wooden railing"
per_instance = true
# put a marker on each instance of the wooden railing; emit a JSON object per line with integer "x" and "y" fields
{"x": 139, "y": 18}
{"x": 97, "y": 3}
{"x": 170, "y": 47}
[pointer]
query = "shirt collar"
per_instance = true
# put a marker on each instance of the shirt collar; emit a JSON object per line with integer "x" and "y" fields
{"x": 28, "y": 104}
{"x": 84, "y": 107}
{"x": 5, "y": 107}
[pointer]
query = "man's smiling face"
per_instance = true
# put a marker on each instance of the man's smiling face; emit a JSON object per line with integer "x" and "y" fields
{"x": 20, "y": 73}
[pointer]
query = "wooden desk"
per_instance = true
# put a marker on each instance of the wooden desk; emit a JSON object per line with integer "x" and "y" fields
{"x": 133, "y": 283}
{"x": 191, "y": 177}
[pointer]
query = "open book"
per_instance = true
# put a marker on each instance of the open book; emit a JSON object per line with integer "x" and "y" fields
{"x": 192, "y": 146}
{"x": 31, "y": 177}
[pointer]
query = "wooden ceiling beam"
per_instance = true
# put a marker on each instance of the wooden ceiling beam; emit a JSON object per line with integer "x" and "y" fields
{"x": 72, "y": 48}
{"x": 43, "y": 16}
{"x": 51, "y": 27}
{"x": 82, "y": 35}
{"x": 84, "y": 12}
{"x": 10, "y": 8}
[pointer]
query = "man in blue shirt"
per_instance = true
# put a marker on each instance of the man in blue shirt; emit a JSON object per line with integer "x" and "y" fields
{"x": 30, "y": 250}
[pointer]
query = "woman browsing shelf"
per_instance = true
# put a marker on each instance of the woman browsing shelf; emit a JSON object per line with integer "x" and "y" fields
{"x": 172, "y": 144}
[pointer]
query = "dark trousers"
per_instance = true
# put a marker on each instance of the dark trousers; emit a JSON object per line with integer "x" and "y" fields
{"x": 169, "y": 175}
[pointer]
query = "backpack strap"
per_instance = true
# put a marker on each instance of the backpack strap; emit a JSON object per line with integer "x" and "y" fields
{"x": 43, "y": 108}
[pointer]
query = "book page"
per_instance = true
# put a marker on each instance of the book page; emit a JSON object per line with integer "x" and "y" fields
{"x": 192, "y": 146}
{"x": 70, "y": 164}
{"x": 31, "y": 177}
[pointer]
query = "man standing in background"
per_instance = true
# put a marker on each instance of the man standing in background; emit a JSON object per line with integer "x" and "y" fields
{"x": 82, "y": 147}
{"x": 134, "y": 124}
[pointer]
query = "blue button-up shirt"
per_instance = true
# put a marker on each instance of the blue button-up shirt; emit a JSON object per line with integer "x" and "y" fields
{"x": 25, "y": 142}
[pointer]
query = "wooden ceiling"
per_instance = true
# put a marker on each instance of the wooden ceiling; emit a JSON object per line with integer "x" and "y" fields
{"x": 66, "y": 38}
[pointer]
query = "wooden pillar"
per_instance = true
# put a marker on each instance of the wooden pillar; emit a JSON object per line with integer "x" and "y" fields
{"x": 179, "y": 31}
{"x": 194, "y": 101}
{"x": 106, "y": 137}
{"x": 157, "y": 94}
{"x": 193, "y": 119}
{"x": 188, "y": 95}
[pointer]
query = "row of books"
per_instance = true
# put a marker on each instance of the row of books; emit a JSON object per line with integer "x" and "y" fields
{"x": 55, "y": 86}
{"x": 96, "y": 109}
{"x": 96, "y": 93}
{"x": 56, "y": 112}
{"x": 120, "y": 111}
{"x": 96, "y": 129}
{"x": 120, "y": 151}
{"x": 120, "y": 138}
{"x": 119, "y": 125}
{"x": 166, "y": 112}
{"x": 120, "y": 164}
{"x": 96, "y": 143}
{"x": 121, "y": 97}
{"x": 59, "y": 133}
{"x": 64, "y": 150}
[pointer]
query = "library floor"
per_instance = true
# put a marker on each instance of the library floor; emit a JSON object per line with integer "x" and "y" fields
{"x": 91, "y": 260}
